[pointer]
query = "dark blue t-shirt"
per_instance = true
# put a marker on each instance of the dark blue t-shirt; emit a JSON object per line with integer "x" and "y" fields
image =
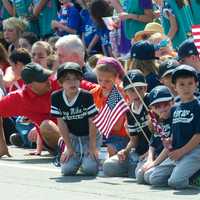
{"x": 134, "y": 128}
{"x": 103, "y": 34}
{"x": 185, "y": 122}
{"x": 152, "y": 81}
{"x": 70, "y": 17}
{"x": 155, "y": 140}
{"x": 88, "y": 28}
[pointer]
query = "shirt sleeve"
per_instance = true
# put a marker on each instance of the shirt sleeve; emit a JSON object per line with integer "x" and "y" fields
{"x": 74, "y": 20}
{"x": 55, "y": 110}
{"x": 132, "y": 125}
{"x": 91, "y": 107}
{"x": 8, "y": 106}
{"x": 146, "y": 4}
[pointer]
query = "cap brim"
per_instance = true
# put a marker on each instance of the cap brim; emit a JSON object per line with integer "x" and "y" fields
{"x": 136, "y": 84}
{"x": 69, "y": 70}
{"x": 167, "y": 73}
{"x": 160, "y": 100}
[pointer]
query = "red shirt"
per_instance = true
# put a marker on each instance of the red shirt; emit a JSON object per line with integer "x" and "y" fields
{"x": 25, "y": 102}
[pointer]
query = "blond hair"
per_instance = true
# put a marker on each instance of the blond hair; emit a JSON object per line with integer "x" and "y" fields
{"x": 45, "y": 45}
{"x": 19, "y": 24}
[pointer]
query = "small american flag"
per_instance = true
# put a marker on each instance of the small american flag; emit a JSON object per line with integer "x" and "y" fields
{"x": 114, "y": 108}
{"x": 159, "y": 130}
{"x": 196, "y": 36}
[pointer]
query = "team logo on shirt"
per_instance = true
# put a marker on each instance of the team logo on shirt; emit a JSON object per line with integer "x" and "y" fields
{"x": 182, "y": 116}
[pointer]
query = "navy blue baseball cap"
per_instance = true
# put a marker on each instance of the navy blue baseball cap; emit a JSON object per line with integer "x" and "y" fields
{"x": 143, "y": 50}
{"x": 68, "y": 67}
{"x": 160, "y": 94}
{"x": 184, "y": 70}
{"x": 187, "y": 48}
{"x": 134, "y": 78}
{"x": 167, "y": 67}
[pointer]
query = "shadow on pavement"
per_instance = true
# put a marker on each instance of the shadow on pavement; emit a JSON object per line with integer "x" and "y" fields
{"x": 72, "y": 179}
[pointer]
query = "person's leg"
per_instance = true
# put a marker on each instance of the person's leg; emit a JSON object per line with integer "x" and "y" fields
{"x": 50, "y": 133}
{"x": 3, "y": 146}
{"x": 114, "y": 168}
{"x": 133, "y": 159}
{"x": 71, "y": 167}
{"x": 161, "y": 173}
{"x": 90, "y": 166}
{"x": 139, "y": 173}
{"x": 184, "y": 169}
{"x": 147, "y": 174}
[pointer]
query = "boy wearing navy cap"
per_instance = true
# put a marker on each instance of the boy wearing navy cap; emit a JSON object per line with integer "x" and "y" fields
{"x": 165, "y": 73}
{"x": 184, "y": 158}
{"x": 74, "y": 109}
{"x": 160, "y": 102}
{"x": 127, "y": 159}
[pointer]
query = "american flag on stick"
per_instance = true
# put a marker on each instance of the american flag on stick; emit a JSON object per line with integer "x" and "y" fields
{"x": 196, "y": 36}
{"x": 114, "y": 108}
{"x": 159, "y": 130}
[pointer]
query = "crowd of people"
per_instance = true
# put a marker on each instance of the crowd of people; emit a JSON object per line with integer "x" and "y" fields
{"x": 64, "y": 61}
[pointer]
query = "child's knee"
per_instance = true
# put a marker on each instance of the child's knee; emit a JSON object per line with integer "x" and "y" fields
{"x": 177, "y": 183}
{"x": 90, "y": 168}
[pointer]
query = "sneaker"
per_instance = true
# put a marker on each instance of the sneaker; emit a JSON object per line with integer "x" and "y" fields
{"x": 16, "y": 140}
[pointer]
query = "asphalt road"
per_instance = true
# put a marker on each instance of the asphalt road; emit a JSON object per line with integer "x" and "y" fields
{"x": 25, "y": 177}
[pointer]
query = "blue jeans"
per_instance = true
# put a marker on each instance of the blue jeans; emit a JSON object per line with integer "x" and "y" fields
{"x": 176, "y": 174}
{"x": 81, "y": 159}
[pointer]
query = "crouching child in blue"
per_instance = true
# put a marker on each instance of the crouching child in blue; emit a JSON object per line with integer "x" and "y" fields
{"x": 184, "y": 158}
{"x": 160, "y": 102}
{"x": 75, "y": 109}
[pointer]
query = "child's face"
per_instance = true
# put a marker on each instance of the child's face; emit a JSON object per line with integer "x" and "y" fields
{"x": 167, "y": 81}
{"x": 39, "y": 55}
{"x": 106, "y": 80}
{"x": 71, "y": 83}
{"x": 185, "y": 87}
{"x": 132, "y": 95}
{"x": 162, "y": 109}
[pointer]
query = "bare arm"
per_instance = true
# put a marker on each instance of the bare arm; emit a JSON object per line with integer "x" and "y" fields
{"x": 173, "y": 26}
{"x": 192, "y": 144}
{"x": 64, "y": 131}
{"x": 147, "y": 17}
{"x": 8, "y": 7}
{"x": 39, "y": 7}
{"x": 92, "y": 139}
{"x": 117, "y": 6}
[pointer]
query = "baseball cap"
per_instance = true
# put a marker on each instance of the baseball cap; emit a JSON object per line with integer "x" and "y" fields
{"x": 114, "y": 63}
{"x": 167, "y": 67}
{"x": 34, "y": 72}
{"x": 68, "y": 67}
{"x": 134, "y": 78}
{"x": 183, "y": 70}
{"x": 159, "y": 94}
{"x": 187, "y": 48}
{"x": 143, "y": 50}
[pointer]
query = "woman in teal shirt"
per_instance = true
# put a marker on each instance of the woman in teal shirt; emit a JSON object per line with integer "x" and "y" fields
{"x": 195, "y": 7}
{"x": 176, "y": 19}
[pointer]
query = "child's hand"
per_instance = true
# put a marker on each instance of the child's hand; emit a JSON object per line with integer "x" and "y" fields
{"x": 176, "y": 154}
{"x": 122, "y": 154}
{"x": 55, "y": 24}
{"x": 148, "y": 165}
{"x": 94, "y": 153}
{"x": 66, "y": 155}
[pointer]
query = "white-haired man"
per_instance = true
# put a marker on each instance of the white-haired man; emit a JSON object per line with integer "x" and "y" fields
{"x": 71, "y": 49}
